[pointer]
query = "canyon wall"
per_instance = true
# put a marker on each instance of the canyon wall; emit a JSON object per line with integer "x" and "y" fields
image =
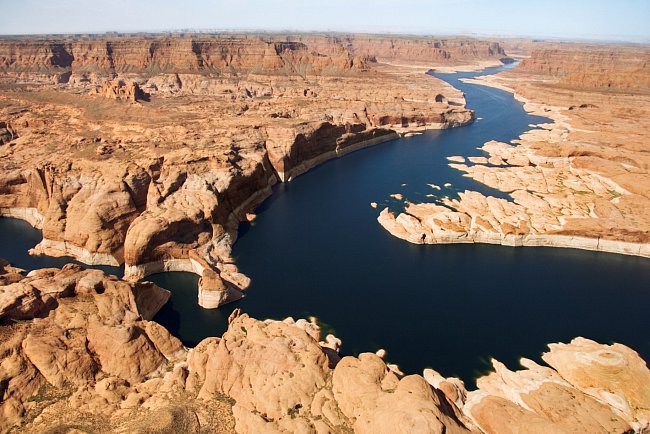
{"x": 593, "y": 68}
{"x": 66, "y": 59}
{"x": 418, "y": 49}
{"x": 310, "y": 54}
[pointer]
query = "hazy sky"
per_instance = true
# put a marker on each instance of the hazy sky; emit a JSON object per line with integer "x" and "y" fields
{"x": 602, "y": 19}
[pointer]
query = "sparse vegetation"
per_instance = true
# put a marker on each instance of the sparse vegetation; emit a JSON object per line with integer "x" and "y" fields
{"x": 294, "y": 411}
{"x": 613, "y": 194}
{"x": 222, "y": 397}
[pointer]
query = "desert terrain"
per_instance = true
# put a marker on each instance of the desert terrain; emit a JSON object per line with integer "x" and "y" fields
{"x": 149, "y": 151}
{"x": 81, "y": 354}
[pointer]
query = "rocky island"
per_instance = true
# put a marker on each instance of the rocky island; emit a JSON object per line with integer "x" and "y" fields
{"x": 149, "y": 150}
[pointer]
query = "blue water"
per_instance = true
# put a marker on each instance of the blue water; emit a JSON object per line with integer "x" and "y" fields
{"x": 316, "y": 249}
{"x": 17, "y": 237}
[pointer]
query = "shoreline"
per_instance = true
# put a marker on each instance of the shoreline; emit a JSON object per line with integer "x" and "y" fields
{"x": 203, "y": 259}
{"x": 339, "y": 152}
{"x": 560, "y": 125}
{"x": 390, "y": 222}
{"x": 580, "y": 376}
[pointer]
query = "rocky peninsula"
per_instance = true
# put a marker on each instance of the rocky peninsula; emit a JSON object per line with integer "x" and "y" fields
{"x": 581, "y": 181}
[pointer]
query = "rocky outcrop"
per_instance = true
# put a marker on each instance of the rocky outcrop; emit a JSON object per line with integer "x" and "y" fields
{"x": 9, "y": 274}
{"x": 86, "y": 217}
{"x": 79, "y": 351}
{"x": 67, "y": 328}
{"x": 283, "y": 381}
{"x": 116, "y": 89}
{"x": 7, "y": 134}
{"x": 589, "y": 387}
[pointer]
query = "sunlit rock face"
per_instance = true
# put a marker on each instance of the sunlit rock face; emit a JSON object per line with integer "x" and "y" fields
{"x": 78, "y": 342}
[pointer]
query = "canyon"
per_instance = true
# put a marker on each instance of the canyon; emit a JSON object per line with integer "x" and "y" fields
{"x": 149, "y": 151}
{"x": 580, "y": 181}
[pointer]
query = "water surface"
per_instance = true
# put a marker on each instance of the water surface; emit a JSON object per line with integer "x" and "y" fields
{"x": 18, "y": 236}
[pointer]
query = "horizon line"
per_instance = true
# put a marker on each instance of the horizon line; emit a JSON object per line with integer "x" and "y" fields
{"x": 216, "y": 31}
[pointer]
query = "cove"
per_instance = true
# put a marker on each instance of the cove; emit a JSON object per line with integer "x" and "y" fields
{"x": 316, "y": 249}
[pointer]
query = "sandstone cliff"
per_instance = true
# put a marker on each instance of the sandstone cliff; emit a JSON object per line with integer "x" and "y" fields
{"x": 86, "y": 59}
{"x": 99, "y": 58}
{"x": 79, "y": 353}
{"x": 424, "y": 50}
{"x": 593, "y": 68}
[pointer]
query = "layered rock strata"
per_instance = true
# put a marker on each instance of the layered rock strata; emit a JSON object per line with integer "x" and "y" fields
{"x": 592, "y": 68}
{"x": 84, "y": 59}
{"x": 148, "y": 152}
{"x": 581, "y": 181}
{"x": 80, "y": 353}
{"x": 423, "y": 51}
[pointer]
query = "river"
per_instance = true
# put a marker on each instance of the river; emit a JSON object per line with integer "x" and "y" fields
{"x": 316, "y": 249}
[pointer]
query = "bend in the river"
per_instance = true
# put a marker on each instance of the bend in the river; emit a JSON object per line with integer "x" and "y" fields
{"x": 316, "y": 250}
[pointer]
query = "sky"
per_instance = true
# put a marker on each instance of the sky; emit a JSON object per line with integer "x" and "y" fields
{"x": 626, "y": 20}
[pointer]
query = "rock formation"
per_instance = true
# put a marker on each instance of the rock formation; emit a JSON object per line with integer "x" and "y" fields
{"x": 63, "y": 328}
{"x": 119, "y": 90}
{"x": 7, "y": 134}
{"x": 581, "y": 181}
{"x": 163, "y": 184}
{"x": 79, "y": 352}
{"x": 83, "y": 59}
{"x": 9, "y": 274}
{"x": 589, "y": 387}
